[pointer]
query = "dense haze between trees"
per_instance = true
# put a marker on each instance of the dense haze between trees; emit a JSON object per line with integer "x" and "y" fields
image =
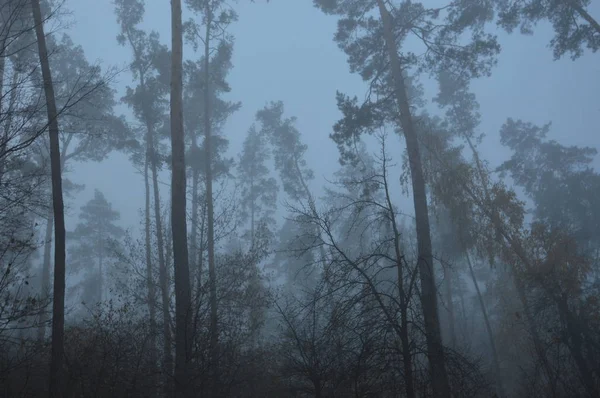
{"x": 286, "y": 198}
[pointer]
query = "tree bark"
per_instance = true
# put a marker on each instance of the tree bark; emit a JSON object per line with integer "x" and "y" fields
{"x": 183, "y": 313}
{"x": 56, "y": 388}
{"x": 149, "y": 269}
{"x": 435, "y": 349}
{"x": 45, "y": 282}
{"x": 4, "y": 141}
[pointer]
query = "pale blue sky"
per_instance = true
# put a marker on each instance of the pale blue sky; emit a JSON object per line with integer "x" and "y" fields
{"x": 284, "y": 51}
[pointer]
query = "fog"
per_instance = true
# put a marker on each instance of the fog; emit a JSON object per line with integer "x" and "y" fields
{"x": 319, "y": 283}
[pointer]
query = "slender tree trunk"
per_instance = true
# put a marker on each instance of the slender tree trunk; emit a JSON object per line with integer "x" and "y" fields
{"x": 183, "y": 313}
{"x": 463, "y": 310}
{"x": 195, "y": 205}
{"x": 435, "y": 349}
{"x": 450, "y": 303}
{"x": 514, "y": 245}
{"x": 4, "y": 141}
{"x": 4, "y": 32}
{"x": 212, "y": 274}
{"x": 149, "y": 272}
{"x": 56, "y": 388}
{"x": 162, "y": 263}
{"x": 45, "y": 282}
{"x": 252, "y": 207}
{"x": 500, "y": 386}
{"x": 151, "y": 156}
{"x": 403, "y": 299}
{"x": 46, "y": 290}
{"x": 101, "y": 267}
{"x": 8, "y": 121}
{"x": 201, "y": 252}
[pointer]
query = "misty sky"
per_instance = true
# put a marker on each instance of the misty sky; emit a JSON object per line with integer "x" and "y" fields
{"x": 284, "y": 50}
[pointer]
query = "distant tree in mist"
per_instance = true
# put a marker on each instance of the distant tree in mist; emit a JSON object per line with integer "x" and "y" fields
{"x": 559, "y": 179}
{"x": 209, "y": 34}
{"x": 147, "y": 99}
{"x": 91, "y": 246}
{"x": 259, "y": 188}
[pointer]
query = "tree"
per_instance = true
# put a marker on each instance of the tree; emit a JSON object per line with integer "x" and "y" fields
{"x": 294, "y": 174}
{"x": 58, "y": 304}
{"x": 216, "y": 15}
{"x": 194, "y": 119}
{"x": 259, "y": 190}
{"x": 366, "y": 197}
{"x": 563, "y": 238}
{"x": 183, "y": 310}
{"x": 373, "y": 47}
{"x": 560, "y": 180}
{"x": 89, "y": 130}
{"x": 147, "y": 99}
{"x": 95, "y": 236}
{"x": 573, "y": 25}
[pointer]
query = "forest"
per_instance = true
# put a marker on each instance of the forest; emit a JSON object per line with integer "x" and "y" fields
{"x": 419, "y": 268}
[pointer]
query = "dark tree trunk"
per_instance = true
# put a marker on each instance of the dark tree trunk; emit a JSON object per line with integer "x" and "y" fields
{"x": 45, "y": 282}
{"x": 183, "y": 313}
{"x": 56, "y": 388}
{"x": 149, "y": 270}
{"x": 435, "y": 349}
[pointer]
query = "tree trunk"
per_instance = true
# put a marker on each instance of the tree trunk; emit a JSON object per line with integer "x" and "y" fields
{"x": 8, "y": 122}
{"x": 500, "y": 387}
{"x": 4, "y": 141}
{"x": 183, "y": 335}
{"x": 516, "y": 247}
{"x": 58, "y": 305}
{"x": 45, "y": 282}
{"x": 212, "y": 274}
{"x": 252, "y": 207}
{"x": 403, "y": 299}
{"x": 450, "y": 303}
{"x": 435, "y": 349}
{"x": 585, "y": 15}
{"x": 101, "y": 267}
{"x": 195, "y": 215}
{"x": 162, "y": 264}
{"x": 46, "y": 290}
{"x": 201, "y": 253}
{"x": 149, "y": 272}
